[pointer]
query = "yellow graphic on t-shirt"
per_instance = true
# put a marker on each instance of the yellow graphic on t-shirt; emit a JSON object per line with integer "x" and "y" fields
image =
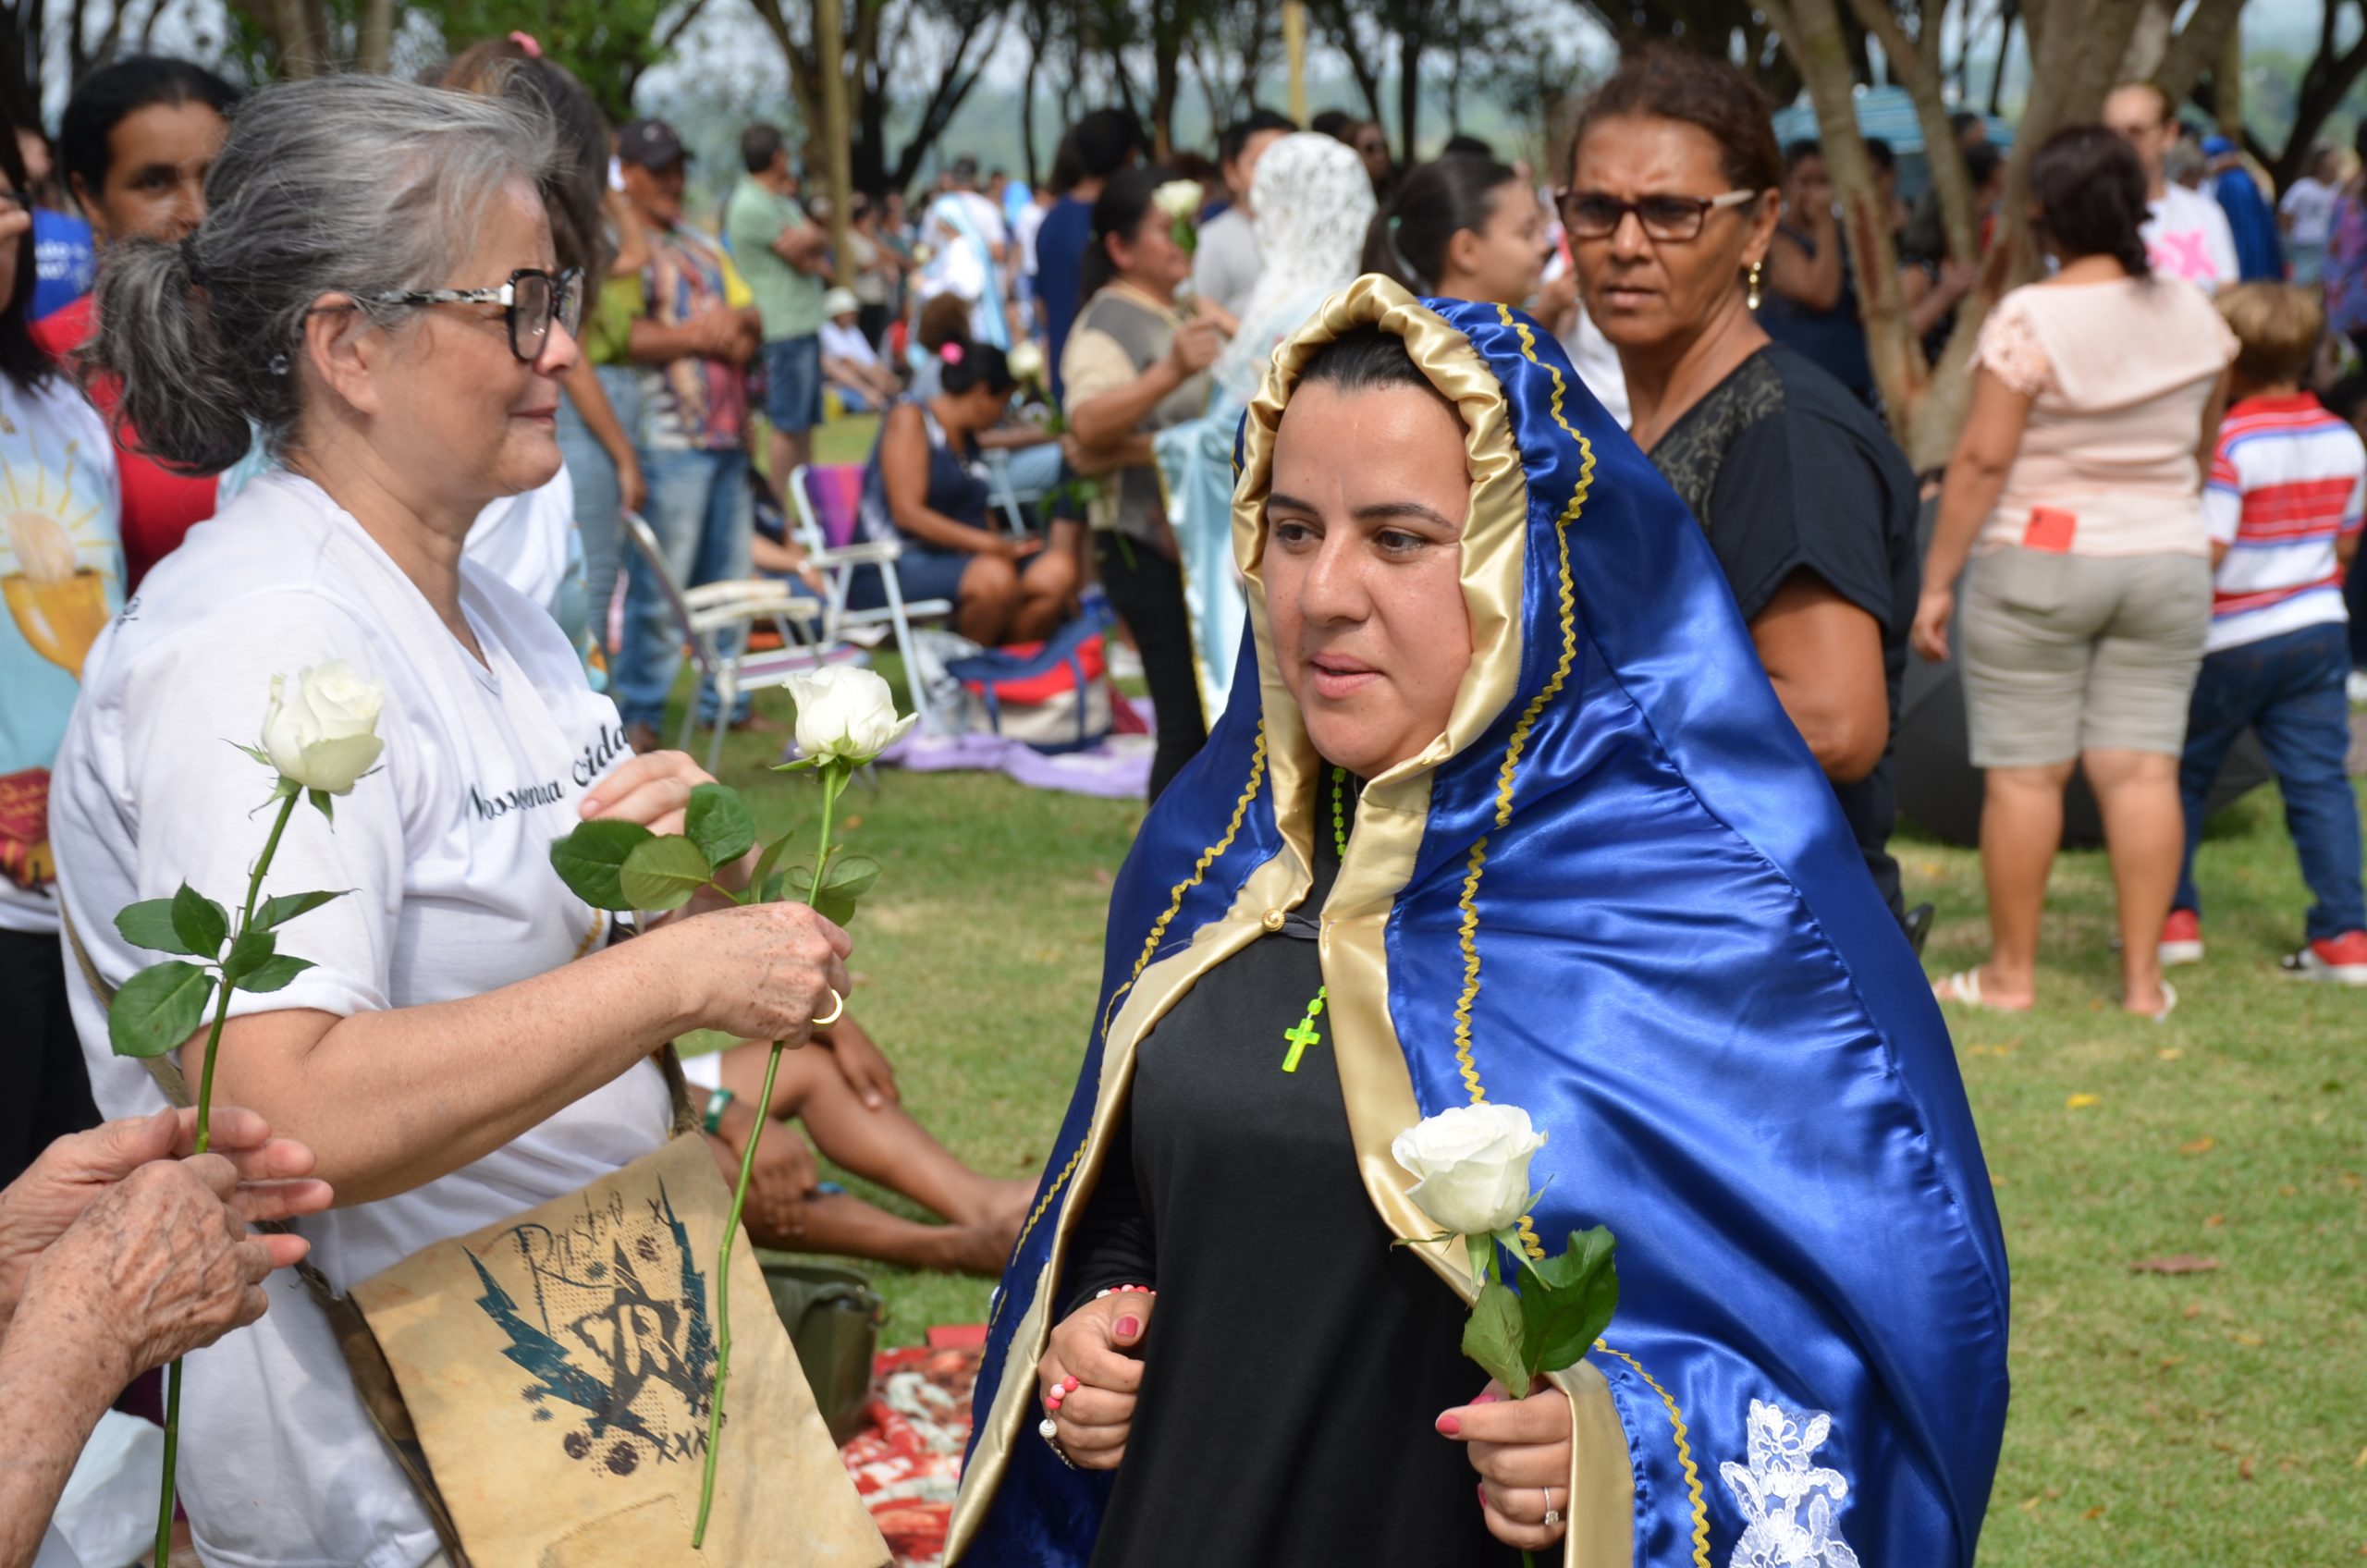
{"x": 59, "y": 605}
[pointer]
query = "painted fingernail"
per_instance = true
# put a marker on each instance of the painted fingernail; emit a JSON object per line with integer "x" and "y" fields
{"x": 1489, "y": 1397}
{"x": 1448, "y": 1426}
{"x": 1129, "y": 1327}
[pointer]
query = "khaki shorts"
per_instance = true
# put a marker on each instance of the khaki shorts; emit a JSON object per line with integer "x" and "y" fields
{"x": 2068, "y": 654}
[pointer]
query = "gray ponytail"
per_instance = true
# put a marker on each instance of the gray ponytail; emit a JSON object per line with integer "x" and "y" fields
{"x": 350, "y": 184}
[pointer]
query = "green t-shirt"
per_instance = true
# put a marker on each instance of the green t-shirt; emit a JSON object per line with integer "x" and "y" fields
{"x": 790, "y": 300}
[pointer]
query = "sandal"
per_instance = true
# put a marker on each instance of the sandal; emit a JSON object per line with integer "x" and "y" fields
{"x": 2169, "y": 1005}
{"x": 1964, "y": 987}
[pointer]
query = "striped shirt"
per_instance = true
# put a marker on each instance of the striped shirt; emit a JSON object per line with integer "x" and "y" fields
{"x": 2288, "y": 481}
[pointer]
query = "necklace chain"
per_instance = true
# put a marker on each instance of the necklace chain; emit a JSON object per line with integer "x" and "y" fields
{"x": 1303, "y": 1034}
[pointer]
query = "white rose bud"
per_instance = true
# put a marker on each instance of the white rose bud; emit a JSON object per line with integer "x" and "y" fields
{"x": 846, "y": 715}
{"x": 1179, "y": 198}
{"x": 1027, "y": 363}
{"x": 1471, "y": 1166}
{"x": 324, "y": 735}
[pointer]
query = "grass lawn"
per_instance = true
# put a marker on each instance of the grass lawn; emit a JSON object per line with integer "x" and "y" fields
{"x": 2212, "y": 1418}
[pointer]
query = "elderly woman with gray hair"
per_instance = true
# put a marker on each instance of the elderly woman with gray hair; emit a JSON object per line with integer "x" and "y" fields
{"x": 375, "y": 288}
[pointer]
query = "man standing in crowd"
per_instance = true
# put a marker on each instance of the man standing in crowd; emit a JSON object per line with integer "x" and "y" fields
{"x": 782, "y": 255}
{"x": 2305, "y": 214}
{"x": 2186, "y": 234}
{"x": 1225, "y": 269}
{"x": 694, "y": 349}
{"x": 1099, "y": 145}
{"x": 971, "y": 247}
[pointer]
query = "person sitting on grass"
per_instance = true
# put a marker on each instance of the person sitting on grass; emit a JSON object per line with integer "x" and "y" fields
{"x": 846, "y": 1094}
{"x": 851, "y": 365}
{"x": 2284, "y": 502}
{"x": 928, "y": 485}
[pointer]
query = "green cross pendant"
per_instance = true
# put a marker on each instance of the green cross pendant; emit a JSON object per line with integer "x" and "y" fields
{"x": 1303, "y": 1034}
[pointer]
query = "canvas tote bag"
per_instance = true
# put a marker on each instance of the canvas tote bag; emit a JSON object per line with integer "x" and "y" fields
{"x": 544, "y": 1381}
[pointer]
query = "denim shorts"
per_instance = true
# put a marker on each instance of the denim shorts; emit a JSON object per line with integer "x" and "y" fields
{"x": 793, "y": 382}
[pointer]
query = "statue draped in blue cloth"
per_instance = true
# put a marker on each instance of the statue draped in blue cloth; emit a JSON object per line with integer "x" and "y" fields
{"x": 1502, "y": 808}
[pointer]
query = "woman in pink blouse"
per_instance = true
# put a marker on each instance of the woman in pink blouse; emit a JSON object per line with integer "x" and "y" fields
{"x": 2077, "y": 487}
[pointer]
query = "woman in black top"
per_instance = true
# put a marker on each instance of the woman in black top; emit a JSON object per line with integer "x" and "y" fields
{"x": 1671, "y": 209}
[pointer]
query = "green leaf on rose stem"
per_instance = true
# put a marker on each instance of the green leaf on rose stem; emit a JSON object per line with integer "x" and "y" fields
{"x": 1492, "y": 1338}
{"x": 257, "y": 752}
{"x": 718, "y": 823}
{"x": 589, "y": 859}
{"x": 158, "y": 1009}
{"x": 1483, "y": 1256}
{"x": 762, "y": 875}
{"x": 203, "y": 924}
{"x": 849, "y": 875}
{"x": 1567, "y": 1301}
{"x": 780, "y": 887}
{"x": 273, "y": 974}
{"x": 279, "y": 909}
{"x": 320, "y": 799}
{"x": 793, "y": 766}
{"x": 149, "y": 923}
{"x": 249, "y": 953}
{"x": 663, "y": 872}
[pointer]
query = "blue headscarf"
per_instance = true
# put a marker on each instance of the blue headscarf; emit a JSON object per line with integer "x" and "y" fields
{"x": 1616, "y": 891}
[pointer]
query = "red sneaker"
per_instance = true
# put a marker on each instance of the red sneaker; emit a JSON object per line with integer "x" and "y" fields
{"x": 2342, "y": 960}
{"x": 2181, "y": 938}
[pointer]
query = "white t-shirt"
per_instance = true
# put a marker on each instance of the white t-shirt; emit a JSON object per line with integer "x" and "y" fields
{"x": 2187, "y": 236}
{"x": 847, "y": 343}
{"x": 2309, "y": 210}
{"x": 449, "y": 845}
{"x": 527, "y": 540}
{"x": 1023, "y": 235}
{"x": 61, "y": 575}
{"x": 1225, "y": 267}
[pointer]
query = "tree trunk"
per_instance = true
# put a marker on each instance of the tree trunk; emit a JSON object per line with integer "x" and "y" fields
{"x": 294, "y": 34}
{"x": 829, "y": 44}
{"x": 1914, "y": 64}
{"x": 1027, "y": 111}
{"x": 2198, "y": 46}
{"x": 373, "y": 50}
{"x": 1409, "y": 95}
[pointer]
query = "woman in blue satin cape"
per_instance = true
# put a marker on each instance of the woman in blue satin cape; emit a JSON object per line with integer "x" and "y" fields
{"x": 1601, "y": 877}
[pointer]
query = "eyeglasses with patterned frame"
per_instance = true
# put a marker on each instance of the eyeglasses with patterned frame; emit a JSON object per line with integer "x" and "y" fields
{"x": 532, "y": 297}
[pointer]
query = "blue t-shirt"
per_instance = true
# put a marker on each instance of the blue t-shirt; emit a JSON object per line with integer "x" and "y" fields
{"x": 64, "y": 261}
{"x": 2252, "y": 223}
{"x": 1059, "y": 259}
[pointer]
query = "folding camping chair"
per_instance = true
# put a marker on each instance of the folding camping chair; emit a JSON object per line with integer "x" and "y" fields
{"x": 828, "y": 500}
{"x": 712, "y": 607}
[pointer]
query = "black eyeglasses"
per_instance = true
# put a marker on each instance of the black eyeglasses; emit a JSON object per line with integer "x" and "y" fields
{"x": 1591, "y": 215}
{"x": 531, "y": 300}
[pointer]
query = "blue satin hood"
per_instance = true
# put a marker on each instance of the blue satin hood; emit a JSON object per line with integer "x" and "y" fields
{"x": 1617, "y": 892}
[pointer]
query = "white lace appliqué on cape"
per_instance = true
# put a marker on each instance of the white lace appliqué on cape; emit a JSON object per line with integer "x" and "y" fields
{"x": 1787, "y": 1499}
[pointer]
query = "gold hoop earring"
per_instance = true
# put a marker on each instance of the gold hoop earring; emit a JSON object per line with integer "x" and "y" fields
{"x": 1752, "y": 299}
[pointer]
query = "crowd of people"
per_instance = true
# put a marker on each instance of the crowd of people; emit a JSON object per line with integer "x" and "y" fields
{"x": 456, "y": 382}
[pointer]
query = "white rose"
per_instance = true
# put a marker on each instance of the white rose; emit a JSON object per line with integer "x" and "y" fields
{"x": 1179, "y": 198}
{"x": 1027, "y": 363}
{"x": 324, "y": 736}
{"x": 1471, "y": 1166}
{"x": 845, "y": 713}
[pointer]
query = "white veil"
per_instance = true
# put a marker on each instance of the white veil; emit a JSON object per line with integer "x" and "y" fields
{"x": 1311, "y": 203}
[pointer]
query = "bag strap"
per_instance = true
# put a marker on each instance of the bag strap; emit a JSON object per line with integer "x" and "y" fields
{"x": 374, "y": 1379}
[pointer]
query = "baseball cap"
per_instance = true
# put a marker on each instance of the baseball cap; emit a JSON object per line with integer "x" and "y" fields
{"x": 838, "y": 301}
{"x": 651, "y": 143}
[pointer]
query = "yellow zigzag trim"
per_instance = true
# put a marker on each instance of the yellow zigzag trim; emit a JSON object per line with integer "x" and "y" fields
{"x": 1684, "y": 1455}
{"x": 1208, "y": 857}
{"x": 1567, "y": 600}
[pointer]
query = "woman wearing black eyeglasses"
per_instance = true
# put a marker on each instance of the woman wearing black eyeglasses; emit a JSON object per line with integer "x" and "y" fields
{"x": 374, "y": 286}
{"x": 1672, "y": 205}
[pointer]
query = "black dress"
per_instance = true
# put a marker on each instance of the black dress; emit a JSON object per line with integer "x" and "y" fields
{"x": 1295, "y": 1360}
{"x": 1787, "y": 473}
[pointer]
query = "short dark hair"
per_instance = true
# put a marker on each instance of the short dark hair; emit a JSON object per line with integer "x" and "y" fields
{"x": 1981, "y": 164}
{"x": 1236, "y": 139}
{"x": 1885, "y": 159}
{"x": 1103, "y": 141}
{"x": 112, "y": 92}
{"x": 1363, "y": 359}
{"x": 978, "y": 365}
{"x": 1800, "y": 150}
{"x": 1668, "y": 82}
{"x": 964, "y": 169}
{"x": 1333, "y": 123}
{"x": 1965, "y": 119}
{"x": 1120, "y": 208}
{"x": 1467, "y": 145}
{"x": 759, "y": 145}
{"x": 22, "y": 363}
{"x": 2091, "y": 194}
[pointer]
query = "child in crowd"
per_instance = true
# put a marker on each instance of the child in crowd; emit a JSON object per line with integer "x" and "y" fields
{"x": 2284, "y": 502}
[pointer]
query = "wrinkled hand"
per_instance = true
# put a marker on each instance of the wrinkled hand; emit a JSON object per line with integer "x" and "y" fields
{"x": 761, "y": 971}
{"x": 161, "y": 1264}
{"x": 863, "y": 1067}
{"x": 783, "y": 1176}
{"x": 1197, "y": 344}
{"x": 1093, "y": 1344}
{"x": 1521, "y": 1448}
{"x": 76, "y": 1172}
{"x": 1930, "y": 634}
{"x": 653, "y": 788}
